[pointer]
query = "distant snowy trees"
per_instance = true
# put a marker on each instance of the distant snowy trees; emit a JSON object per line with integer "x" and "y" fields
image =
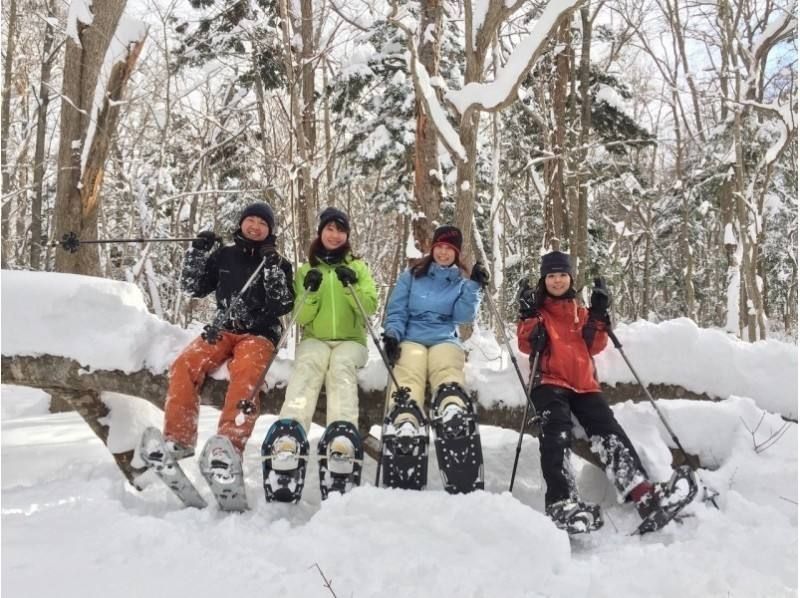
{"x": 655, "y": 141}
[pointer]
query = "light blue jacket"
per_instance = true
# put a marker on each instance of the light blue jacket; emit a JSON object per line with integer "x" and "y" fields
{"x": 426, "y": 310}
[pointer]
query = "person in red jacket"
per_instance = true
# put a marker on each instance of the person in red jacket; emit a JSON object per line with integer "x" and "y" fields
{"x": 567, "y": 385}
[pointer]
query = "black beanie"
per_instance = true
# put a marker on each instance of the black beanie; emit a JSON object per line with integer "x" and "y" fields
{"x": 261, "y": 210}
{"x": 449, "y": 235}
{"x": 333, "y": 215}
{"x": 556, "y": 261}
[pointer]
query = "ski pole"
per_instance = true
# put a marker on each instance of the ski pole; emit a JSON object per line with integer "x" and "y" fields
{"x": 400, "y": 393}
{"x": 528, "y": 404}
{"x": 248, "y": 405}
{"x": 708, "y": 493}
{"x": 70, "y": 241}
{"x": 211, "y": 332}
{"x": 526, "y": 386}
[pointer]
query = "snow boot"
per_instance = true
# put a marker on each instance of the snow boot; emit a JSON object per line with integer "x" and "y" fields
{"x": 575, "y": 516}
{"x": 458, "y": 441}
{"x": 158, "y": 456}
{"x": 660, "y": 503}
{"x": 341, "y": 455}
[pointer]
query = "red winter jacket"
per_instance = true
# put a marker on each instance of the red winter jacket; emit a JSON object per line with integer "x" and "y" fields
{"x": 572, "y": 339}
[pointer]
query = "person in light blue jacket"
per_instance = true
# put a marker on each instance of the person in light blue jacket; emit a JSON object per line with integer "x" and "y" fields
{"x": 420, "y": 339}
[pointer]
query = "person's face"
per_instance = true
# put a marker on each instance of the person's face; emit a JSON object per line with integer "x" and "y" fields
{"x": 557, "y": 283}
{"x": 444, "y": 255}
{"x": 333, "y": 236}
{"x": 255, "y": 228}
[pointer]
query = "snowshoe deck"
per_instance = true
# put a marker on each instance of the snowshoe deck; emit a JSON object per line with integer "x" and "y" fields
{"x": 221, "y": 467}
{"x": 677, "y": 493}
{"x": 153, "y": 451}
{"x": 284, "y": 471}
{"x": 340, "y": 472}
{"x": 458, "y": 447}
{"x": 405, "y": 454}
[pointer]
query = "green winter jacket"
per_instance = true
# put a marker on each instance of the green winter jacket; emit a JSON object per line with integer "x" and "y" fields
{"x": 331, "y": 313}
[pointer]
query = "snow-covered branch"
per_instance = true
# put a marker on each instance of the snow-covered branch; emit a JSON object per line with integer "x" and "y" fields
{"x": 500, "y": 93}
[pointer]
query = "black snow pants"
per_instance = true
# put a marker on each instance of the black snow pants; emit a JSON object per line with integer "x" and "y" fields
{"x": 555, "y": 405}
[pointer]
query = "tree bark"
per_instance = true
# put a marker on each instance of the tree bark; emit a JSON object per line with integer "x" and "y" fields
{"x": 78, "y": 186}
{"x": 39, "y": 153}
{"x": 427, "y": 173}
{"x": 5, "y": 123}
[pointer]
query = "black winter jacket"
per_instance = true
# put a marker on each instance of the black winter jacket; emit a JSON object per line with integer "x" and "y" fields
{"x": 226, "y": 271}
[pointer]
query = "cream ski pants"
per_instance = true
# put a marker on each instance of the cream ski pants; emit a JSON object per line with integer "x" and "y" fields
{"x": 436, "y": 365}
{"x": 333, "y": 363}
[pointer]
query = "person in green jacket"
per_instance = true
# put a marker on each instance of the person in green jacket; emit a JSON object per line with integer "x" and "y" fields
{"x": 334, "y": 342}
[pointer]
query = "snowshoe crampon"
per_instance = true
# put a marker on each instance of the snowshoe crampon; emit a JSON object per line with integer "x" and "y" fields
{"x": 221, "y": 467}
{"x": 405, "y": 445}
{"x": 575, "y": 516}
{"x": 458, "y": 441}
{"x": 284, "y": 454}
{"x": 666, "y": 501}
{"x": 341, "y": 455}
{"x": 158, "y": 457}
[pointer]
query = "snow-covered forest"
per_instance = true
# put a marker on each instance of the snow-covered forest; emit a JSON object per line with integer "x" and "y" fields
{"x": 655, "y": 141}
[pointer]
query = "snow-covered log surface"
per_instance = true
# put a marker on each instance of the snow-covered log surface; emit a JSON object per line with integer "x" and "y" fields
{"x": 104, "y": 324}
{"x": 72, "y": 525}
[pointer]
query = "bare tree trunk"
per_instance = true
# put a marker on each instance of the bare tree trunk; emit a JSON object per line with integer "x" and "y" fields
{"x": 5, "y": 123}
{"x": 41, "y": 129}
{"x": 427, "y": 181}
{"x": 79, "y": 181}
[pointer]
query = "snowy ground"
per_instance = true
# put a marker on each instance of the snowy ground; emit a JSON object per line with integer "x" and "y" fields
{"x": 73, "y": 527}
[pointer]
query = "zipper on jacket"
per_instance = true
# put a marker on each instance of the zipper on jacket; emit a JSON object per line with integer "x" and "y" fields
{"x": 333, "y": 304}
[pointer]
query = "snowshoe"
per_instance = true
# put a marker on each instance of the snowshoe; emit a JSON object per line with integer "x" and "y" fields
{"x": 221, "y": 467}
{"x": 458, "y": 441}
{"x": 284, "y": 454}
{"x": 666, "y": 500}
{"x": 405, "y": 445}
{"x": 575, "y": 516}
{"x": 159, "y": 457}
{"x": 341, "y": 455}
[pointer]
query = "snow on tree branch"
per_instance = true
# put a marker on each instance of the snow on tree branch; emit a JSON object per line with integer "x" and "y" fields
{"x": 498, "y": 94}
{"x": 129, "y": 31}
{"x": 80, "y": 11}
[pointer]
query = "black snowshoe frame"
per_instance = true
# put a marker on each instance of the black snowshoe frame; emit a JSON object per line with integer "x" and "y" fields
{"x": 284, "y": 486}
{"x": 662, "y": 515}
{"x": 458, "y": 443}
{"x": 405, "y": 458}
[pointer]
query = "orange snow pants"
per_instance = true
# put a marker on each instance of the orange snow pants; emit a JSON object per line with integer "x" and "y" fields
{"x": 249, "y": 356}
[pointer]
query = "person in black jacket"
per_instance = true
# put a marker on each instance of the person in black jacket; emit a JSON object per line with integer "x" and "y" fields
{"x": 248, "y": 335}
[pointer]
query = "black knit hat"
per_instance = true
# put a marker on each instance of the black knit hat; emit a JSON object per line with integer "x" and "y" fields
{"x": 261, "y": 210}
{"x": 556, "y": 261}
{"x": 333, "y": 215}
{"x": 448, "y": 235}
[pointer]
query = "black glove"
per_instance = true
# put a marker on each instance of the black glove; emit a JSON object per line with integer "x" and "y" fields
{"x": 273, "y": 258}
{"x": 480, "y": 274}
{"x": 211, "y": 334}
{"x": 346, "y": 276}
{"x": 312, "y": 280}
{"x": 205, "y": 240}
{"x": 600, "y": 300}
{"x": 527, "y": 302}
{"x": 391, "y": 346}
{"x": 538, "y": 339}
